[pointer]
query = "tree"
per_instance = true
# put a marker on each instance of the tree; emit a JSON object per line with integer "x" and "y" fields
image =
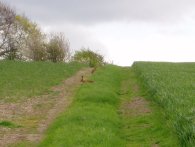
{"x": 33, "y": 46}
{"x": 58, "y": 48}
{"x": 89, "y": 57}
{"x": 17, "y": 34}
{"x": 16, "y": 39}
{"x": 7, "y": 19}
{"x": 22, "y": 38}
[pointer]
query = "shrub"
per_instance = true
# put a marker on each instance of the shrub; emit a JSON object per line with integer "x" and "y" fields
{"x": 89, "y": 57}
{"x": 58, "y": 48}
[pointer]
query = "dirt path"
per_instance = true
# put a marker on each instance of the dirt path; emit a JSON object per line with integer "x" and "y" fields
{"x": 36, "y": 114}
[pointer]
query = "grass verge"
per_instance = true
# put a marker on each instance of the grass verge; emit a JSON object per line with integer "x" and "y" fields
{"x": 143, "y": 122}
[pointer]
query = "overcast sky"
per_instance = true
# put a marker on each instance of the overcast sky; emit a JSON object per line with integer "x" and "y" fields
{"x": 122, "y": 30}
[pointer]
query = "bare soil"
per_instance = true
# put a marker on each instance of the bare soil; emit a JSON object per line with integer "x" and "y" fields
{"x": 136, "y": 106}
{"x": 35, "y": 114}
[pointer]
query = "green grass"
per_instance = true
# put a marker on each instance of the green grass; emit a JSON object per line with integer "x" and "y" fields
{"x": 172, "y": 87}
{"x": 8, "y": 124}
{"x": 19, "y": 80}
{"x": 92, "y": 120}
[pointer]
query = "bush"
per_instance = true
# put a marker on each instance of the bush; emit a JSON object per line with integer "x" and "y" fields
{"x": 58, "y": 48}
{"x": 89, "y": 57}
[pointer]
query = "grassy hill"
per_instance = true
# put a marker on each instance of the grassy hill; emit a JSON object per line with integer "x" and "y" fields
{"x": 172, "y": 87}
{"x": 21, "y": 80}
{"x": 148, "y": 104}
{"x": 31, "y": 94}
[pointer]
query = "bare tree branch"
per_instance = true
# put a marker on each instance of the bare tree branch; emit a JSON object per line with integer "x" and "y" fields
{"x": 7, "y": 18}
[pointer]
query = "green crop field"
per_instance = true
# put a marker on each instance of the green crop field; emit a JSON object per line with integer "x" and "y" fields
{"x": 172, "y": 87}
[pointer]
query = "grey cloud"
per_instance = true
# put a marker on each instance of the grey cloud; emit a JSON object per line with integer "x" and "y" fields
{"x": 97, "y": 11}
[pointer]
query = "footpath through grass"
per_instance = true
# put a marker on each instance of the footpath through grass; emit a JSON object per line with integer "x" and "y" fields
{"x": 95, "y": 118}
{"x": 19, "y": 80}
{"x": 143, "y": 124}
{"x": 172, "y": 87}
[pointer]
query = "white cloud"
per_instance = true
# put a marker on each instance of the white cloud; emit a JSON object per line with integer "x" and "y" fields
{"x": 97, "y": 11}
{"x": 150, "y": 42}
{"x": 123, "y": 30}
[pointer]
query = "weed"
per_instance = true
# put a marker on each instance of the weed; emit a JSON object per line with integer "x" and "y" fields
{"x": 8, "y": 124}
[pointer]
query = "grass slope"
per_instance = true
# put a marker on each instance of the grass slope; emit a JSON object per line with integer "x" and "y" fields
{"x": 172, "y": 87}
{"x": 19, "y": 80}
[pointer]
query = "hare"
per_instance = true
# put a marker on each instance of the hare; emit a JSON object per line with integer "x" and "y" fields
{"x": 85, "y": 80}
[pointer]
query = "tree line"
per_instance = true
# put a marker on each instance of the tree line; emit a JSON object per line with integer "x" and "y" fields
{"x": 22, "y": 39}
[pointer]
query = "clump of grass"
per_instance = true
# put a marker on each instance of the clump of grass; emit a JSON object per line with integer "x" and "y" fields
{"x": 92, "y": 120}
{"x": 19, "y": 80}
{"x": 171, "y": 86}
{"x": 8, "y": 124}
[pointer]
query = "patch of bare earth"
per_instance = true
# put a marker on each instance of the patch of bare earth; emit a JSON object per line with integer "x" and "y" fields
{"x": 36, "y": 114}
{"x": 136, "y": 107}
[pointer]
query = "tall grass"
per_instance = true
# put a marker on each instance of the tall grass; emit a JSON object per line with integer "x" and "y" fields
{"x": 19, "y": 80}
{"x": 172, "y": 86}
{"x": 92, "y": 120}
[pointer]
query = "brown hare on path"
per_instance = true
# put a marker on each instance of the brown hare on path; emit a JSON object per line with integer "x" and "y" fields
{"x": 85, "y": 80}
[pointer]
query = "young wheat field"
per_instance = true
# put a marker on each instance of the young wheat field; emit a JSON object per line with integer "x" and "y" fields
{"x": 172, "y": 87}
